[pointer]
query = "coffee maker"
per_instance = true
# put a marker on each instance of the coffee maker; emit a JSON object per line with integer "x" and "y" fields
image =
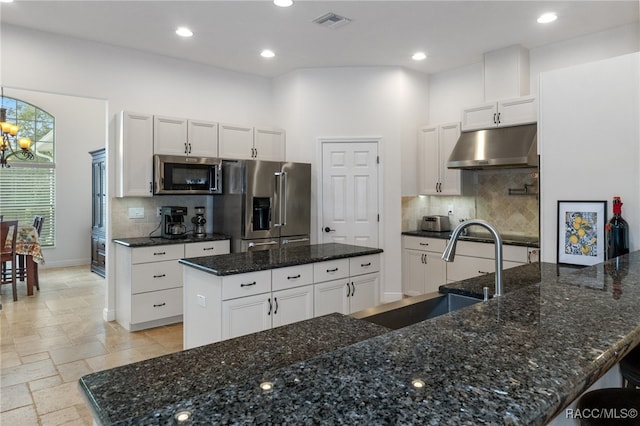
{"x": 198, "y": 221}
{"x": 173, "y": 222}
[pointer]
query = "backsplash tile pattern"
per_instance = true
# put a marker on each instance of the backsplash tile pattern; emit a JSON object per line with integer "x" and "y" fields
{"x": 123, "y": 227}
{"x": 510, "y": 214}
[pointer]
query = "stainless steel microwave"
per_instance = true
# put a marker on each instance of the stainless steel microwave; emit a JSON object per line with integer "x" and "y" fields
{"x": 174, "y": 174}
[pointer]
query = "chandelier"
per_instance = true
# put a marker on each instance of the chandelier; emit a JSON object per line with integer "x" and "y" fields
{"x": 11, "y": 145}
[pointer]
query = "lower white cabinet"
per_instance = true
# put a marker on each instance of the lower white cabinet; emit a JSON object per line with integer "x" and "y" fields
{"x": 423, "y": 270}
{"x": 223, "y": 307}
{"x": 473, "y": 259}
{"x": 149, "y": 283}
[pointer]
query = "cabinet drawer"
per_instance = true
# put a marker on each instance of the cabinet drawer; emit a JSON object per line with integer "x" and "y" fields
{"x": 157, "y": 253}
{"x": 488, "y": 251}
{"x": 364, "y": 264}
{"x": 155, "y": 276}
{"x": 206, "y": 248}
{"x": 156, "y": 305}
{"x": 330, "y": 270}
{"x": 242, "y": 285}
{"x": 464, "y": 267}
{"x": 294, "y": 276}
{"x": 426, "y": 244}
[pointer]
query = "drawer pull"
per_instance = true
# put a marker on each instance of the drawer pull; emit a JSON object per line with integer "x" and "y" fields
{"x": 294, "y": 277}
{"x": 160, "y": 253}
{"x": 160, "y": 276}
{"x": 424, "y": 244}
{"x": 159, "y": 305}
{"x": 208, "y": 248}
{"x": 332, "y": 270}
{"x": 484, "y": 272}
{"x": 364, "y": 265}
{"x": 248, "y": 284}
{"x": 275, "y": 311}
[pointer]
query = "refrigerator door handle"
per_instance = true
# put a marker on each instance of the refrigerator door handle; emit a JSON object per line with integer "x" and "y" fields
{"x": 280, "y": 192}
{"x": 269, "y": 243}
{"x": 283, "y": 199}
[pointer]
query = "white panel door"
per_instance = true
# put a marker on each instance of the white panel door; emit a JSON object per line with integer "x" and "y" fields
{"x": 350, "y": 193}
{"x": 202, "y": 138}
{"x": 269, "y": 144}
{"x": 235, "y": 141}
{"x": 428, "y": 161}
{"x": 246, "y": 315}
{"x": 169, "y": 135}
{"x": 292, "y": 305}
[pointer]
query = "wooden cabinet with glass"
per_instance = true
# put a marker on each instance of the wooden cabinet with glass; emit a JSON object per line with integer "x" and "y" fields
{"x": 98, "y": 211}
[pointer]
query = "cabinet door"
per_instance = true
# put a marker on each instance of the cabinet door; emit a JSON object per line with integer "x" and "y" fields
{"x": 428, "y": 161}
{"x": 480, "y": 117}
{"x": 202, "y": 138}
{"x": 156, "y": 305}
{"x": 246, "y": 315}
{"x": 169, "y": 135}
{"x": 134, "y": 156}
{"x": 413, "y": 272}
{"x": 364, "y": 292}
{"x": 292, "y": 305}
{"x": 235, "y": 141}
{"x": 450, "y": 179}
{"x": 523, "y": 110}
{"x": 269, "y": 144}
{"x": 435, "y": 272}
{"x": 331, "y": 296}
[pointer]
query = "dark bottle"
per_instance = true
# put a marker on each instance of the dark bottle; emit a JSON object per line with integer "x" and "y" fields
{"x": 617, "y": 232}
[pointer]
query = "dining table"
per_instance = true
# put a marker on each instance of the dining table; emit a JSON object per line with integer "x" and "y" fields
{"x": 28, "y": 245}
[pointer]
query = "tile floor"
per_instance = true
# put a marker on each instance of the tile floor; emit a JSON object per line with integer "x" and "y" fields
{"x": 48, "y": 341}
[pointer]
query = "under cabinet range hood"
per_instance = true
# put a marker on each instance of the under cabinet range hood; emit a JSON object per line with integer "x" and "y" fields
{"x": 505, "y": 147}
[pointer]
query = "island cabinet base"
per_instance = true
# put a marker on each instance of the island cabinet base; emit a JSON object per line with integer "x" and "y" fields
{"x": 224, "y": 307}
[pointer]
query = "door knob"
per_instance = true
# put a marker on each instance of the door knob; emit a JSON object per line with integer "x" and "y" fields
{"x": 327, "y": 229}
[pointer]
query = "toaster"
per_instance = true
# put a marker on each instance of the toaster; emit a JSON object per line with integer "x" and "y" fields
{"x": 436, "y": 223}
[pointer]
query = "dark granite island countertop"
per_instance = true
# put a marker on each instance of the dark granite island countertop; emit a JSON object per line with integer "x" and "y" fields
{"x": 239, "y": 263}
{"x": 516, "y": 359}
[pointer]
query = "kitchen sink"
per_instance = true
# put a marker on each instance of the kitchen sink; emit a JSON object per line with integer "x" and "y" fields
{"x": 414, "y": 309}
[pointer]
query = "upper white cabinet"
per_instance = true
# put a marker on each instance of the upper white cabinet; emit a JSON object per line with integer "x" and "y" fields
{"x": 269, "y": 144}
{"x": 435, "y": 144}
{"x": 509, "y": 112}
{"x": 134, "y": 155}
{"x": 243, "y": 142}
{"x": 179, "y": 136}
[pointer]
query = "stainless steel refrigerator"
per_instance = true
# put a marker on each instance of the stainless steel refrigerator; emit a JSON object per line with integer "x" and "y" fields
{"x": 264, "y": 204}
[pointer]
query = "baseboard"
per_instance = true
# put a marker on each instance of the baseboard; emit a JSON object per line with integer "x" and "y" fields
{"x": 109, "y": 315}
{"x": 64, "y": 263}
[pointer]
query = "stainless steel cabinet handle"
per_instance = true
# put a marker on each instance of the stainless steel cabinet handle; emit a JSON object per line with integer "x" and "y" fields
{"x": 186, "y": 151}
{"x": 270, "y": 243}
{"x": 294, "y": 277}
{"x": 498, "y": 119}
{"x": 159, "y": 305}
{"x": 189, "y": 148}
{"x": 494, "y": 118}
{"x": 332, "y": 270}
{"x": 248, "y": 284}
{"x": 160, "y": 276}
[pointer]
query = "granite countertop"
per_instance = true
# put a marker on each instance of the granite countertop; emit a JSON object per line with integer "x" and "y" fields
{"x": 516, "y": 359}
{"x": 239, "y": 263}
{"x": 159, "y": 241}
{"x": 480, "y": 237}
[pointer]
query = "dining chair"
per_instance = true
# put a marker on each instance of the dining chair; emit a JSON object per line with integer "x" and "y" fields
{"x": 8, "y": 254}
{"x": 21, "y": 270}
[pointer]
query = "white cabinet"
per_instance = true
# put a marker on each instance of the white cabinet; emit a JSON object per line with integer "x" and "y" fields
{"x": 290, "y": 301}
{"x": 435, "y": 144}
{"x": 134, "y": 155}
{"x": 207, "y": 248}
{"x": 149, "y": 283}
{"x": 179, "y": 136}
{"x": 423, "y": 270}
{"x": 354, "y": 285}
{"x": 244, "y": 142}
{"x": 508, "y": 112}
{"x": 473, "y": 259}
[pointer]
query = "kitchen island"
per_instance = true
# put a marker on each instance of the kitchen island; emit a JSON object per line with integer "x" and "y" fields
{"x": 516, "y": 359}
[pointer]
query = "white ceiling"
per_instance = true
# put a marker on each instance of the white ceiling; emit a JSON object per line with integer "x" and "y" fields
{"x": 231, "y": 34}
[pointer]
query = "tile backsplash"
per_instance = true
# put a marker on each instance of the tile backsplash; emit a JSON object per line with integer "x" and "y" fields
{"x": 513, "y": 214}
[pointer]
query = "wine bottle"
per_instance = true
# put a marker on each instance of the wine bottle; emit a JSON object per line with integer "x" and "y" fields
{"x": 617, "y": 232}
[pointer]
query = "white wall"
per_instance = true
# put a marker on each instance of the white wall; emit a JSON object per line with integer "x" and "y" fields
{"x": 386, "y": 103}
{"x": 590, "y": 141}
{"x": 80, "y": 126}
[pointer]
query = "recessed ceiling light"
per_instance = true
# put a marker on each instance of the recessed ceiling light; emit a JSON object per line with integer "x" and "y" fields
{"x": 547, "y": 18}
{"x": 283, "y": 3}
{"x": 419, "y": 56}
{"x": 266, "y": 53}
{"x": 184, "y": 32}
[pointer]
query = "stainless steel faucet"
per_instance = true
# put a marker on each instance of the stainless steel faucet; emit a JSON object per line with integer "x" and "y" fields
{"x": 450, "y": 251}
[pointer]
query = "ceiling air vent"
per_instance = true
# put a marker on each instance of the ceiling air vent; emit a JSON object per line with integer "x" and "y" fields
{"x": 331, "y": 20}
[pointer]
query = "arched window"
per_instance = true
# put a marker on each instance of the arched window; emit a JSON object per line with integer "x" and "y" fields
{"x": 27, "y": 188}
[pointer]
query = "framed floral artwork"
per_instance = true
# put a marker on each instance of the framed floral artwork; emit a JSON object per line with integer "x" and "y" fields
{"x": 581, "y": 236}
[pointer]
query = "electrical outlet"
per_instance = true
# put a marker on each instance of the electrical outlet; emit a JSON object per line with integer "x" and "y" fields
{"x": 159, "y": 212}
{"x": 450, "y": 208}
{"x": 202, "y": 300}
{"x": 136, "y": 212}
